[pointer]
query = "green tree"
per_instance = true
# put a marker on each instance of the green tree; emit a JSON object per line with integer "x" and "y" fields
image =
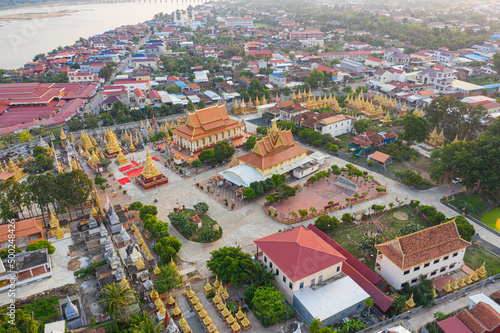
{"x": 347, "y": 218}
{"x": 167, "y": 248}
{"x": 287, "y": 125}
{"x": 326, "y": 223}
{"x": 496, "y": 61}
{"x": 250, "y": 143}
{"x": 207, "y": 156}
{"x": 410, "y": 228}
{"x": 249, "y": 193}
{"x": 201, "y": 207}
{"x": 168, "y": 279}
{"x": 286, "y": 91}
{"x": 197, "y": 163}
{"x": 416, "y": 129}
{"x": 314, "y": 78}
{"x": 223, "y": 151}
{"x": 147, "y": 210}
{"x": 230, "y": 264}
{"x": 136, "y": 205}
{"x": 145, "y": 324}
{"x": 5, "y": 253}
{"x": 269, "y": 304}
{"x": 362, "y": 125}
{"x": 41, "y": 244}
{"x": 117, "y": 301}
{"x": 465, "y": 228}
{"x": 23, "y": 323}
{"x": 315, "y": 327}
{"x": 284, "y": 191}
{"x": 369, "y": 304}
{"x": 105, "y": 73}
{"x": 201, "y": 104}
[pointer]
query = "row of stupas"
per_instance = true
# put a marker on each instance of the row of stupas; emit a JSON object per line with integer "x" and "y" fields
{"x": 316, "y": 102}
{"x": 466, "y": 280}
{"x": 251, "y": 106}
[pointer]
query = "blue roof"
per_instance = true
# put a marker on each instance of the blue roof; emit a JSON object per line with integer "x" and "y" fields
{"x": 492, "y": 86}
{"x": 181, "y": 84}
{"x": 495, "y": 37}
{"x": 335, "y": 79}
{"x": 277, "y": 75}
{"x": 476, "y": 57}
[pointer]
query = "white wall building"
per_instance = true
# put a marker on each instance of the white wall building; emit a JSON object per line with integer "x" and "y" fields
{"x": 335, "y": 125}
{"x": 239, "y": 21}
{"x": 277, "y": 79}
{"x": 431, "y": 252}
{"x": 76, "y": 76}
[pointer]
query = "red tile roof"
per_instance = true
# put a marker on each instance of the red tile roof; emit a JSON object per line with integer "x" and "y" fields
{"x": 486, "y": 315}
{"x": 423, "y": 246}
{"x": 299, "y": 252}
{"x": 453, "y": 325}
{"x": 22, "y": 229}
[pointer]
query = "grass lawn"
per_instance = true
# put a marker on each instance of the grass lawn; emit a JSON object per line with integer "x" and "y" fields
{"x": 206, "y": 222}
{"x": 492, "y": 218}
{"x": 350, "y": 236}
{"x": 261, "y": 25}
{"x": 45, "y": 310}
{"x": 474, "y": 204}
{"x": 475, "y": 255}
{"x": 344, "y": 140}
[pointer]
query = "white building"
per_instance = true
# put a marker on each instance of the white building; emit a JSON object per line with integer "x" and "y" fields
{"x": 76, "y": 76}
{"x": 313, "y": 42}
{"x": 431, "y": 252}
{"x": 309, "y": 273}
{"x": 441, "y": 78}
{"x": 27, "y": 267}
{"x": 277, "y": 79}
{"x": 335, "y": 125}
{"x": 136, "y": 63}
{"x": 239, "y": 21}
{"x": 445, "y": 56}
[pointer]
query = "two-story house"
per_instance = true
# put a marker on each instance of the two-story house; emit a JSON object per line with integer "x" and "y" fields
{"x": 336, "y": 125}
{"x": 442, "y": 79}
{"x": 309, "y": 274}
{"x": 278, "y": 80}
{"x": 431, "y": 252}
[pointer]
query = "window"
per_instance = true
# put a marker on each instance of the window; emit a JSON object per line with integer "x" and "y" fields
{"x": 442, "y": 269}
{"x": 338, "y": 269}
{"x": 414, "y": 280}
{"x": 406, "y": 272}
{"x": 277, "y": 272}
{"x": 427, "y": 265}
{"x": 446, "y": 258}
{"x": 301, "y": 285}
{"x": 320, "y": 278}
{"x": 271, "y": 265}
{"x": 455, "y": 254}
{"x": 436, "y": 261}
{"x": 433, "y": 273}
{"x": 265, "y": 259}
{"x": 313, "y": 282}
{"x": 284, "y": 278}
{"x": 452, "y": 265}
{"x": 416, "y": 268}
{"x": 290, "y": 285}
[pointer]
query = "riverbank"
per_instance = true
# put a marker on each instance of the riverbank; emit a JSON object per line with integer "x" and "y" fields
{"x": 53, "y": 3}
{"x": 36, "y": 16}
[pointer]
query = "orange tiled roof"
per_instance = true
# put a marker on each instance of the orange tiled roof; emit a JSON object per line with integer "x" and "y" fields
{"x": 206, "y": 122}
{"x": 22, "y": 229}
{"x": 276, "y": 148}
{"x": 423, "y": 246}
{"x": 486, "y": 315}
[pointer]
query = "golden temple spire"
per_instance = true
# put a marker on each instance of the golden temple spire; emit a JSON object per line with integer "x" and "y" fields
{"x": 150, "y": 169}
{"x": 54, "y": 222}
{"x": 63, "y": 135}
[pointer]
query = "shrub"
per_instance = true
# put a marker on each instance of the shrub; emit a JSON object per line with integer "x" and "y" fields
{"x": 209, "y": 235}
{"x": 41, "y": 244}
{"x": 303, "y": 212}
{"x": 188, "y": 229}
{"x": 380, "y": 189}
{"x": 135, "y": 205}
{"x": 102, "y": 187}
{"x": 411, "y": 178}
{"x": 99, "y": 180}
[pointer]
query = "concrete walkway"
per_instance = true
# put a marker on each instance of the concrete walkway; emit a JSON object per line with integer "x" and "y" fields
{"x": 426, "y": 316}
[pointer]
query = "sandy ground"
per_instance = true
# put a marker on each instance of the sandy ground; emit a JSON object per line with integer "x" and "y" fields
{"x": 34, "y": 16}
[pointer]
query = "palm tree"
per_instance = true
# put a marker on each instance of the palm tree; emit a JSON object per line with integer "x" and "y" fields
{"x": 259, "y": 275}
{"x": 144, "y": 324}
{"x": 117, "y": 301}
{"x": 369, "y": 303}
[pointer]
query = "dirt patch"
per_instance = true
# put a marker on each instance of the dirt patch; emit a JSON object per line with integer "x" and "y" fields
{"x": 74, "y": 264}
{"x": 195, "y": 279}
{"x": 402, "y": 216}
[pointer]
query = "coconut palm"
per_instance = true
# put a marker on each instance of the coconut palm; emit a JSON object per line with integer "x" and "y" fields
{"x": 144, "y": 324}
{"x": 118, "y": 301}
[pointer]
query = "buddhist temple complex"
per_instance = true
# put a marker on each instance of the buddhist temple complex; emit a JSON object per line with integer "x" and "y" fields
{"x": 204, "y": 129}
{"x": 150, "y": 176}
{"x": 276, "y": 153}
{"x": 11, "y": 171}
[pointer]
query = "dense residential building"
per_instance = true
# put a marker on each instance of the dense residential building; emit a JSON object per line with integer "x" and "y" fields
{"x": 303, "y": 35}
{"x": 432, "y": 252}
{"x": 277, "y": 79}
{"x": 77, "y": 76}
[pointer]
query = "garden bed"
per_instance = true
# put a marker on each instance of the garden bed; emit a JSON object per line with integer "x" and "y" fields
{"x": 474, "y": 204}
{"x": 202, "y": 234}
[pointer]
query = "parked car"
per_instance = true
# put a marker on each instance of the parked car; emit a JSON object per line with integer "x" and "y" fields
{"x": 456, "y": 180}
